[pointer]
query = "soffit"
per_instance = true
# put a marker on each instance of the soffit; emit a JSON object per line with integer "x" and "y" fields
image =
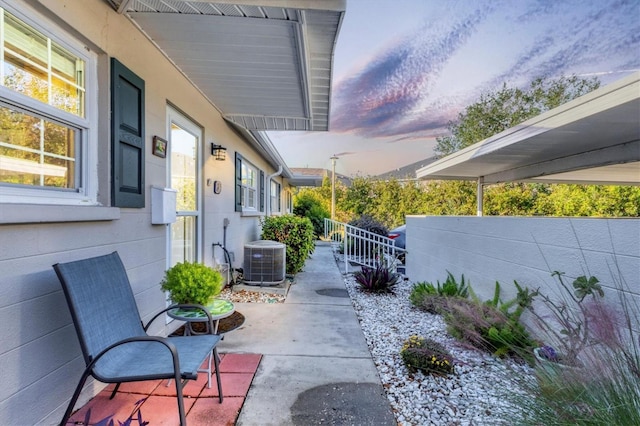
{"x": 263, "y": 67}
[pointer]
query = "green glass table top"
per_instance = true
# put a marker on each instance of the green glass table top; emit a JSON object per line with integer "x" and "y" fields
{"x": 217, "y": 308}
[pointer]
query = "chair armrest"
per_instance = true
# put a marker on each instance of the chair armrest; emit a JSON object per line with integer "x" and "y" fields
{"x": 182, "y": 306}
{"x": 162, "y": 340}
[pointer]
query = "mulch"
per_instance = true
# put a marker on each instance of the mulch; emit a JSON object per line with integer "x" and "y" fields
{"x": 225, "y": 325}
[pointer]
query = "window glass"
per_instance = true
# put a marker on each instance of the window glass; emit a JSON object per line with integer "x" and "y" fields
{"x": 249, "y": 186}
{"x": 275, "y": 197}
{"x": 43, "y": 143}
{"x": 184, "y": 160}
{"x": 38, "y": 67}
{"x": 36, "y": 151}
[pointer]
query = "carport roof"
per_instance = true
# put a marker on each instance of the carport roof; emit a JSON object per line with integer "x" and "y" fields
{"x": 591, "y": 139}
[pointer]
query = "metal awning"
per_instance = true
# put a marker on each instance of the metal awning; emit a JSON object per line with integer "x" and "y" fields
{"x": 591, "y": 139}
{"x": 265, "y": 64}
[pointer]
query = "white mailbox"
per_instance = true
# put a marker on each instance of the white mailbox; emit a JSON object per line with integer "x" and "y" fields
{"x": 163, "y": 205}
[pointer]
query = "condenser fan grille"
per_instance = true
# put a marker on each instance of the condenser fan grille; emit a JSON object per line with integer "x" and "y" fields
{"x": 264, "y": 262}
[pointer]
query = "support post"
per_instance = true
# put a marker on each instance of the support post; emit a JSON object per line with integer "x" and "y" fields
{"x": 333, "y": 187}
{"x": 480, "y": 195}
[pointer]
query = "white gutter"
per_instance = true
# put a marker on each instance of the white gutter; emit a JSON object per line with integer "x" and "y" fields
{"x": 267, "y": 193}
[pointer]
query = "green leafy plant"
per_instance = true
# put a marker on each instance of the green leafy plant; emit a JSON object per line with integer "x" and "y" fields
{"x": 369, "y": 223}
{"x": 192, "y": 282}
{"x": 380, "y": 279}
{"x": 452, "y": 288}
{"x": 426, "y": 355}
{"x": 433, "y": 298}
{"x": 493, "y": 325}
{"x": 309, "y": 206}
{"x": 424, "y": 295}
{"x": 420, "y": 290}
{"x": 567, "y": 320}
{"x": 296, "y": 233}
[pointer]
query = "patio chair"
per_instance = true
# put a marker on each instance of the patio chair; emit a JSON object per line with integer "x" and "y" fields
{"x": 114, "y": 341}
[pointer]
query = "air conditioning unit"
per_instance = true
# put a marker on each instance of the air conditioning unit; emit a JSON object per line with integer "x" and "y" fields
{"x": 264, "y": 262}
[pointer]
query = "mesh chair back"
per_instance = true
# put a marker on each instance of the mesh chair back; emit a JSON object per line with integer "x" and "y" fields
{"x": 101, "y": 302}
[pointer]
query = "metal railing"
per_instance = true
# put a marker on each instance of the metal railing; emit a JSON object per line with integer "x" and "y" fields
{"x": 360, "y": 246}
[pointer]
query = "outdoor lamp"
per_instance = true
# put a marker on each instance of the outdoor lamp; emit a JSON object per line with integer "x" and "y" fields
{"x": 219, "y": 152}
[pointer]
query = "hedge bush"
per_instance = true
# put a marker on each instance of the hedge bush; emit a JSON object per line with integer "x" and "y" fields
{"x": 296, "y": 233}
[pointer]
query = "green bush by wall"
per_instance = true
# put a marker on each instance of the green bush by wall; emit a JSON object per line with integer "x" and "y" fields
{"x": 296, "y": 233}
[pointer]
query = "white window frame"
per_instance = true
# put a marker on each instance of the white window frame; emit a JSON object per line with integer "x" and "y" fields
{"x": 246, "y": 188}
{"x": 288, "y": 201}
{"x": 275, "y": 197}
{"x": 86, "y": 194}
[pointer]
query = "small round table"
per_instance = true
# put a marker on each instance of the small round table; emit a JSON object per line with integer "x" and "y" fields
{"x": 218, "y": 308}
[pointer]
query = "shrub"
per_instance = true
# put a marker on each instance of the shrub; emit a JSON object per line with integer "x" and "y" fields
{"x": 433, "y": 299}
{"x": 452, "y": 288}
{"x": 492, "y": 326}
{"x": 368, "y": 223}
{"x": 426, "y": 355}
{"x": 434, "y": 304}
{"x": 306, "y": 205}
{"x": 420, "y": 290}
{"x": 376, "y": 280}
{"x": 296, "y": 233}
{"x": 425, "y": 296}
{"x": 191, "y": 282}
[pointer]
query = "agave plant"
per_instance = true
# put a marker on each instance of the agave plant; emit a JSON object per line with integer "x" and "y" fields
{"x": 376, "y": 280}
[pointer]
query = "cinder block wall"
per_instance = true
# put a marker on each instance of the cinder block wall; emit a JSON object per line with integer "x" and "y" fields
{"x": 526, "y": 249}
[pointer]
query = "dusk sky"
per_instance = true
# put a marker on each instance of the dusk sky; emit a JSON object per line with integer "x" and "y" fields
{"x": 404, "y": 68}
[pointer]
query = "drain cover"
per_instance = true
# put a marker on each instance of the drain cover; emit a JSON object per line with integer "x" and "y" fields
{"x": 333, "y": 292}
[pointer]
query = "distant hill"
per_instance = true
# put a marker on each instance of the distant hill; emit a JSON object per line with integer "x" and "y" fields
{"x": 406, "y": 172}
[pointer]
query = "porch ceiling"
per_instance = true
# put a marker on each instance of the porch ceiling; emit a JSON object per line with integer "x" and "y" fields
{"x": 592, "y": 139}
{"x": 264, "y": 67}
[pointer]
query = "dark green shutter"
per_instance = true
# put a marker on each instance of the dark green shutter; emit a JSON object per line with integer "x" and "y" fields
{"x": 279, "y": 198}
{"x": 238, "y": 182}
{"x": 127, "y": 137}
{"x": 261, "y": 191}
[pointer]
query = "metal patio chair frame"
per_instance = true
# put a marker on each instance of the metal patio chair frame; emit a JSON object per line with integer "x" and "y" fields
{"x": 113, "y": 338}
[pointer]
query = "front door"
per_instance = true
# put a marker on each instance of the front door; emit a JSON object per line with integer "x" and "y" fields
{"x": 185, "y": 138}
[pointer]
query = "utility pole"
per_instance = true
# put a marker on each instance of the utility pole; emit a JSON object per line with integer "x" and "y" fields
{"x": 333, "y": 187}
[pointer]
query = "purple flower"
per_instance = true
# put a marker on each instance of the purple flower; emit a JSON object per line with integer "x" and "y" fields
{"x": 549, "y": 353}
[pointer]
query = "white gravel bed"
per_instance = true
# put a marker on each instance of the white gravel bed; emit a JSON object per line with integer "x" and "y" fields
{"x": 474, "y": 395}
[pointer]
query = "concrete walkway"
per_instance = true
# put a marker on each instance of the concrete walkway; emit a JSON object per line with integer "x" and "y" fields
{"x": 316, "y": 367}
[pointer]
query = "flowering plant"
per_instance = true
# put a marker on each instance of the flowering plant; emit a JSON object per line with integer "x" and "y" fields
{"x": 549, "y": 353}
{"x": 426, "y": 355}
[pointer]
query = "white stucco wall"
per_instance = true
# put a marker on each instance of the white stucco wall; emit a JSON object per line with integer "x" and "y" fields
{"x": 525, "y": 249}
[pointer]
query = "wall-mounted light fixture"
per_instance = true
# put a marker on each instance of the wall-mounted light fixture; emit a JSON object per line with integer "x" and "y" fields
{"x": 219, "y": 152}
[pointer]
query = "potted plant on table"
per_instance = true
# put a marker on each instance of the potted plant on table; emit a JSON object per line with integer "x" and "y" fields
{"x": 192, "y": 283}
{"x": 192, "y": 288}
